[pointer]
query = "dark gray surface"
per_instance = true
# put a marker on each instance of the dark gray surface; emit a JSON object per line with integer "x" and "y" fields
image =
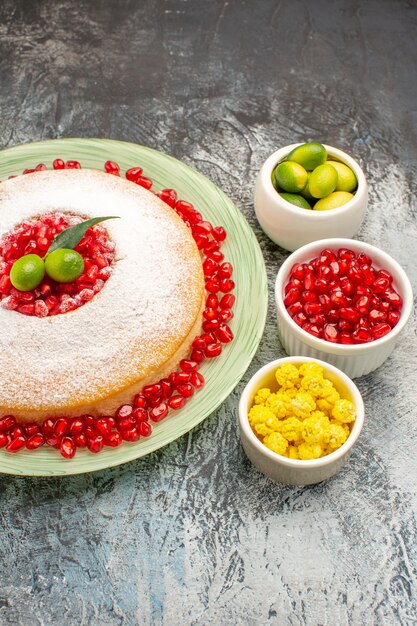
{"x": 193, "y": 534}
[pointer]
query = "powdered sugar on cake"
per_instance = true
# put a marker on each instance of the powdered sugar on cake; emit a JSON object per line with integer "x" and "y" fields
{"x": 132, "y": 326}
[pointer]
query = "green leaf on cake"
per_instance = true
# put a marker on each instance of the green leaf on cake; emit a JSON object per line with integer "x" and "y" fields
{"x": 71, "y": 237}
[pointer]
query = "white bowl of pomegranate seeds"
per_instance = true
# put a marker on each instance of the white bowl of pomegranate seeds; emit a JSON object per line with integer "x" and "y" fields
{"x": 291, "y": 226}
{"x": 343, "y": 301}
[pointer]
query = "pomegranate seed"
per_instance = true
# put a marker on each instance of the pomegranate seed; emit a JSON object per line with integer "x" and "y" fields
{"x": 197, "y": 380}
{"x": 300, "y": 319}
{"x": 349, "y": 314}
{"x": 89, "y": 431}
{"x": 312, "y": 329}
{"x": 225, "y": 315}
{"x": 210, "y": 325}
{"x": 176, "y": 402}
{"x": 224, "y": 333}
{"x": 385, "y": 274}
{"x": 112, "y": 168}
{"x": 318, "y": 320}
{"x": 197, "y": 355}
{"x": 293, "y": 284}
{"x": 298, "y": 271}
{"x": 309, "y": 296}
{"x": 130, "y": 435}
{"x": 338, "y": 298}
{"x": 31, "y": 429}
{"x": 5, "y": 284}
{"x": 139, "y": 401}
{"x": 212, "y": 350}
{"x": 346, "y": 338}
{"x": 368, "y": 275}
{"x": 226, "y": 270}
{"x": 292, "y": 296}
{"x": 72, "y": 165}
{"x": 126, "y": 423}
{"x": 17, "y": 431}
{"x": 210, "y": 314}
{"x": 312, "y": 308}
{"x": 67, "y": 448}
{"x": 380, "y": 330}
{"x": 16, "y": 444}
{"x": 133, "y": 174}
{"x": 377, "y": 316}
{"x": 143, "y": 181}
{"x": 169, "y": 196}
{"x": 212, "y": 301}
{"x": 145, "y": 429}
{"x": 361, "y": 335}
{"x": 7, "y": 423}
{"x": 210, "y": 267}
{"x": 226, "y": 285}
{"x": 95, "y": 444}
{"x": 346, "y": 326}
{"x": 113, "y": 439}
{"x": 393, "y": 318}
{"x": 103, "y": 426}
{"x": 185, "y": 390}
{"x": 48, "y": 427}
{"x": 80, "y": 440}
{"x": 159, "y": 412}
{"x": 76, "y": 426}
{"x": 227, "y": 301}
{"x": 140, "y": 415}
{"x": 58, "y": 164}
{"x": 201, "y": 241}
{"x": 345, "y": 253}
{"x": 330, "y": 333}
{"x": 380, "y": 285}
{"x": 393, "y": 298}
{"x": 212, "y": 286}
{"x": 166, "y": 387}
{"x": 124, "y": 411}
{"x": 219, "y": 233}
{"x": 362, "y": 304}
{"x": 89, "y": 420}
{"x": 188, "y": 366}
{"x": 61, "y": 427}
{"x": 4, "y": 439}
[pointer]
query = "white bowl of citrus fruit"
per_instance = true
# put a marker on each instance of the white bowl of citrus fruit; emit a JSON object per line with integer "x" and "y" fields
{"x": 310, "y": 191}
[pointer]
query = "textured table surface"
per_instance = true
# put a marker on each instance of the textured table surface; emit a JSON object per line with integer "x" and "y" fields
{"x": 193, "y": 534}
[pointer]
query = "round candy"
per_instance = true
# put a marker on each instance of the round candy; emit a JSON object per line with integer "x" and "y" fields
{"x": 64, "y": 265}
{"x": 296, "y": 200}
{"x": 27, "y": 272}
{"x": 309, "y": 155}
{"x": 333, "y": 201}
{"x": 291, "y": 177}
{"x": 322, "y": 181}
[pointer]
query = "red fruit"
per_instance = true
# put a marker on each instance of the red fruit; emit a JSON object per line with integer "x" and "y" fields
{"x": 363, "y": 259}
{"x": 376, "y": 316}
{"x": 393, "y": 298}
{"x": 67, "y": 448}
{"x": 61, "y": 427}
{"x": 212, "y": 301}
{"x": 103, "y": 425}
{"x": 159, "y": 412}
{"x": 76, "y": 426}
{"x": 3, "y": 440}
{"x": 346, "y": 286}
{"x": 226, "y": 270}
{"x": 145, "y": 429}
{"x": 7, "y": 423}
{"x": 345, "y": 253}
{"x": 227, "y": 301}
{"x": 188, "y": 366}
{"x": 95, "y": 443}
{"x": 212, "y": 350}
{"x": 212, "y": 286}
{"x": 80, "y": 440}
{"x": 292, "y": 296}
{"x": 300, "y": 319}
{"x": 368, "y": 274}
{"x": 326, "y": 257}
{"x": 166, "y": 387}
{"x": 318, "y": 320}
{"x": 309, "y": 296}
{"x": 58, "y": 164}
{"x": 393, "y": 318}
{"x": 197, "y": 355}
{"x": 349, "y": 314}
{"x": 210, "y": 267}
{"x": 176, "y": 402}
{"x": 346, "y": 338}
{"x": 140, "y": 401}
{"x": 225, "y": 315}
{"x": 218, "y": 257}
{"x": 124, "y": 411}
{"x": 31, "y": 429}
{"x": 113, "y": 439}
{"x": 197, "y": 380}
{"x": 330, "y": 333}
{"x": 210, "y": 314}
{"x": 380, "y": 285}
{"x": 313, "y": 330}
{"x": 72, "y": 165}
{"x": 224, "y": 333}
{"x": 17, "y": 431}
{"x": 126, "y": 423}
{"x": 169, "y": 196}
{"x": 385, "y": 274}
{"x": 112, "y": 168}
{"x": 16, "y": 444}
{"x": 133, "y": 174}
{"x": 185, "y": 390}
{"x": 203, "y": 228}
{"x": 312, "y": 308}
{"x": 298, "y": 271}
{"x": 143, "y": 181}
{"x": 338, "y": 298}
{"x": 181, "y": 378}
{"x": 140, "y": 415}
{"x": 199, "y": 343}
{"x": 380, "y": 330}
{"x": 362, "y": 304}
{"x": 219, "y": 233}
{"x": 226, "y": 285}
{"x": 361, "y": 335}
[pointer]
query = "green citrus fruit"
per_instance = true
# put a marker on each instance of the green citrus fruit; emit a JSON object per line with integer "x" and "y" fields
{"x": 346, "y": 179}
{"x": 291, "y": 177}
{"x": 296, "y": 199}
{"x": 27, "y": 272}
{"x": 64, "y": 265}
{"x": 333, "y": 200}
{"x": 309, "y": 155}
{"x": 306, "y": 191}
{"x": 322, "y": 181}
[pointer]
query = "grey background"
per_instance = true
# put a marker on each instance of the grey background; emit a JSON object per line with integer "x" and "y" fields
{"x": 193, "y": 534}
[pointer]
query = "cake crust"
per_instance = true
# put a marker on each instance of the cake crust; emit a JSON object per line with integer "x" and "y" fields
{"x": 138, "y": 326}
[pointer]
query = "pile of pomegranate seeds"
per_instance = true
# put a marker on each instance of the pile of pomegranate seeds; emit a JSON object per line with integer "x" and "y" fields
{"x": 131, "y": 421}
{"x": 50, "y": 297}
{"x": 340, "y": 297}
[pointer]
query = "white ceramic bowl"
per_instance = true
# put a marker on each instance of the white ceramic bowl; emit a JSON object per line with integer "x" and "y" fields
{"x": 354, "y": 360}
{"x": 292, "y": 471}
{"x": 290, "y": 226}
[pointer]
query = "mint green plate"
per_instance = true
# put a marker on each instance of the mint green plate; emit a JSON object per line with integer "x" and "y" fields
{"x": 241, "y": 249}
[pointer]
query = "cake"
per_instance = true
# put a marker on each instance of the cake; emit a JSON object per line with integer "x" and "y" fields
{"x": 129, "y": 333}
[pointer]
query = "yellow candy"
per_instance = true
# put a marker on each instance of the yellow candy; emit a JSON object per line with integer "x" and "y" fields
{"x": 316, "y": 428}
{"x": 302, "y": 404}
{"x": 344, "y": 411}
{"x": 262, "y": 395}
{"x": 278, "y": 404}
{"x": 287, "y": 375}
{"x": 338, "y": 436}
{"x": 259, "y": 414}
{"x": 276, "y": 443}
{"x": 311, "y": 369}
{"x": 313, "y": 385}
{"x": 308, "y": 451}
{"x": 290, "y": 428}
{"x": 268, "y": 426}
{"x": 293, "y": 452}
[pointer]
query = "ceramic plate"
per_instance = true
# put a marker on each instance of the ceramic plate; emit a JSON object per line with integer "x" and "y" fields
{"x": 241, "y": 249}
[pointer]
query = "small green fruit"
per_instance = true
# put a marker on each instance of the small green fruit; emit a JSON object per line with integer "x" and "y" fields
{"x": 27, "y": 272}
{"x": 290, "y": 176}
{"x": 322, "y": 181}
{"x": 309, "y": 155}
{"x": 333, "y": 201}
{"x": 296, "y": 200}
{"x": 346, "y": 179}
{"x": 64, "y": 265}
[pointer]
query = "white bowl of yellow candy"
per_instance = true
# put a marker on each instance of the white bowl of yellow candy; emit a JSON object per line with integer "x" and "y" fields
{"x": 299, "y": 419}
